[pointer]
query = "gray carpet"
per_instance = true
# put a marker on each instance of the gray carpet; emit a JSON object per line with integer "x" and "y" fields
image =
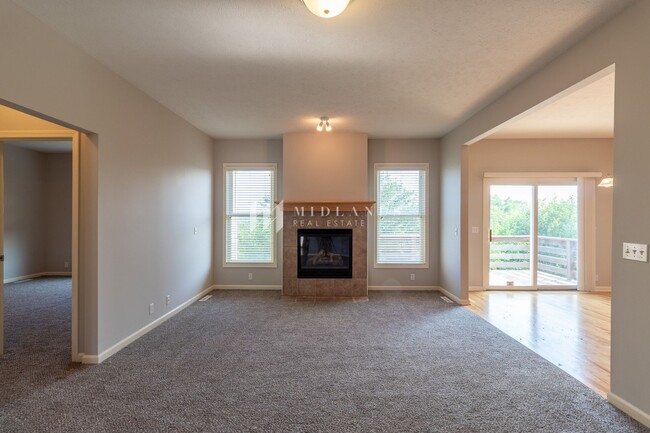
{"x": 248, "y": 361}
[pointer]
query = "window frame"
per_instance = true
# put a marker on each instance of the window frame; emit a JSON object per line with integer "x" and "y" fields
{"x": 425, "y": 231}
{"x": 273, "y": 167}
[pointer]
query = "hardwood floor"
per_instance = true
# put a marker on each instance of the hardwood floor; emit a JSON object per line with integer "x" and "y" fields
{"x": 569, "y": 328}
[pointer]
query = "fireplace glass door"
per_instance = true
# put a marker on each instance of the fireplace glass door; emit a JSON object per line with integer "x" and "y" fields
{"x": 324, "y": 253}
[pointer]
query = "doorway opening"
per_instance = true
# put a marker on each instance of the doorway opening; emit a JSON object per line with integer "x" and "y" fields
{"x": 39, "y": 233}
{"x": 527, "y": 160}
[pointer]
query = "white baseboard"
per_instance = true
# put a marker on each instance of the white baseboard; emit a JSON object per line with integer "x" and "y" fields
{"x": 629, "y": 408}
{"x": 37, "y": 275}
{"x": 603, "y": 289}
{"x": 97, "y": 359}
{"x": 477, "y": 289}
{"x": 453, "y": 297}
{"x": 245, "y": 287}
{"x": 404, "y": 288}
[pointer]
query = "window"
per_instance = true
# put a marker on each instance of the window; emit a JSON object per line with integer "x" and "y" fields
{"x": 249, "y": 225}
{"x": 401, "y": 215}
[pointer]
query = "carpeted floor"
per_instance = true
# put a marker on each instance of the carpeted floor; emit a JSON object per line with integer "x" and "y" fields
{"x": 248, "y": 361}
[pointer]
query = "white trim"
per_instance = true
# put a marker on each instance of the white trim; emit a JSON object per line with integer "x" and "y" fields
{"x": 252, "y": 265}
{"x": 403, "y": 166}
{"x": 37, "y": 275}
{"x": 477, "y": 289}
{"x": 602, "y": 289}
{"x": 76, "y": 174}
{"x": 400, "y": 266}
{"x": 629, "y": 408}
{"x": 542, "y": 175}
{"x": 485, "y": 242}
{"x": 585, "y": 225}
{"x": 404, "y": 288}
{"x": 248, "y": 166}
{"x": 453, "y": 297}
{"x": 246, "y": 287}
{"x": 98, "y": 359}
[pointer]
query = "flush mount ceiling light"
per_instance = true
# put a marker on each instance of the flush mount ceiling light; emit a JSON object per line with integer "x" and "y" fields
{"x": 324, "y": 124}
{"x": 607, "y": 181}
{"x": 326, "y": 8}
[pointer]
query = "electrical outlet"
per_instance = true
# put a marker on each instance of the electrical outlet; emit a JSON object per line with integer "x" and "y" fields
{"x": 250, "y": 276}
{"x": 475, "y": 230}
{"x": 412, "y": 277}
{"x": 168, "y": 299}
{"x": 150, "y": 309}
{"x": 66, "y": 265}
{"x": 637, "y": 252}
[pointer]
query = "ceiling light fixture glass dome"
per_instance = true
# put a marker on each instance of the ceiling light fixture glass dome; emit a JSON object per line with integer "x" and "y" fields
{"x": 326, "y": 8}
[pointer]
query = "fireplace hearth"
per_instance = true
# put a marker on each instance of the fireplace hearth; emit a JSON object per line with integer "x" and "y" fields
{"x": 324, "y": 253}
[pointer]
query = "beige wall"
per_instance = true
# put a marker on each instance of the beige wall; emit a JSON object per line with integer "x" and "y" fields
{"x": 146, "y": 181}
{"x": 406, "y": 151}
{"x": 38, "y": 212}
{"x": 244, "y": 151}
{"x": 24, "y": 231}
{"x": 322, "y": 166}
{"x": 548, "y": 155}
{"x": 58, "y": 211}
{"x": 621, "y": 41}
{"x": 453, "y": 242}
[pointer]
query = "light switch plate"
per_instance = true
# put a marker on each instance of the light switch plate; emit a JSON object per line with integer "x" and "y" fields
{"x": 637, "y": 252}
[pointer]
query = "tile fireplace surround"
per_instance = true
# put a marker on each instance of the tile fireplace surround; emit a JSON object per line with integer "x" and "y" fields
{"x": 326, "y": 215}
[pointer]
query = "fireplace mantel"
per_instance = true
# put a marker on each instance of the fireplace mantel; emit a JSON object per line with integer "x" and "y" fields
{"x": 343, "y": 206}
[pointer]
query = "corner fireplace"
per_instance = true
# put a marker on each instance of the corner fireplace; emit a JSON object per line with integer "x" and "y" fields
{"x": 324, "y": 253}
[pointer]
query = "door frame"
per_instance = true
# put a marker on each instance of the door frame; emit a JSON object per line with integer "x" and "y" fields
{"x": 74, "y": 136}
{"x": 586, "y": 226}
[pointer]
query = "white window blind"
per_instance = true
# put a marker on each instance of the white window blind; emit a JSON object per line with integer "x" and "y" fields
{"x": 249, "y": 228}
{"x": 401, "y": 215}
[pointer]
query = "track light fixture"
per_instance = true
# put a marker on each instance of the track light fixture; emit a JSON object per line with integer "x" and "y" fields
{"x": 324, "y": 124}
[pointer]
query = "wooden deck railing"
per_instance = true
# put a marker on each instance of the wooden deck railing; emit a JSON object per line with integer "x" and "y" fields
{"x": 557, "y": 256}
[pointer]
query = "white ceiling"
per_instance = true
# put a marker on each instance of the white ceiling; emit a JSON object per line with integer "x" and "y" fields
{"x": 585, "y": 113}
{"x": 43, "y": 146}
{"x": 260, "y": 68}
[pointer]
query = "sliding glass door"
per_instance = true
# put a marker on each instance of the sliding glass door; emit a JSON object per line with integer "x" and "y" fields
{"x": 532, "y": 236}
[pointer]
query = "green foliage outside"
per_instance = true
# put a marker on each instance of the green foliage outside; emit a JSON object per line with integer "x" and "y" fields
{"x": 557, "y": 217}
{"x": 396, "y": 199}
{"x": 254, "y": 234}
{"x": 399, "y": 201}
{"x": 255, "y": 238}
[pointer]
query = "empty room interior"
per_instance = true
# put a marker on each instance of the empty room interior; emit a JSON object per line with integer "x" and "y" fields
{"x": 324, "y": 215}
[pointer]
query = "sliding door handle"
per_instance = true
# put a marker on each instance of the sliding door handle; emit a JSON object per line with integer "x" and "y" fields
{"x": 490, "y": 235}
